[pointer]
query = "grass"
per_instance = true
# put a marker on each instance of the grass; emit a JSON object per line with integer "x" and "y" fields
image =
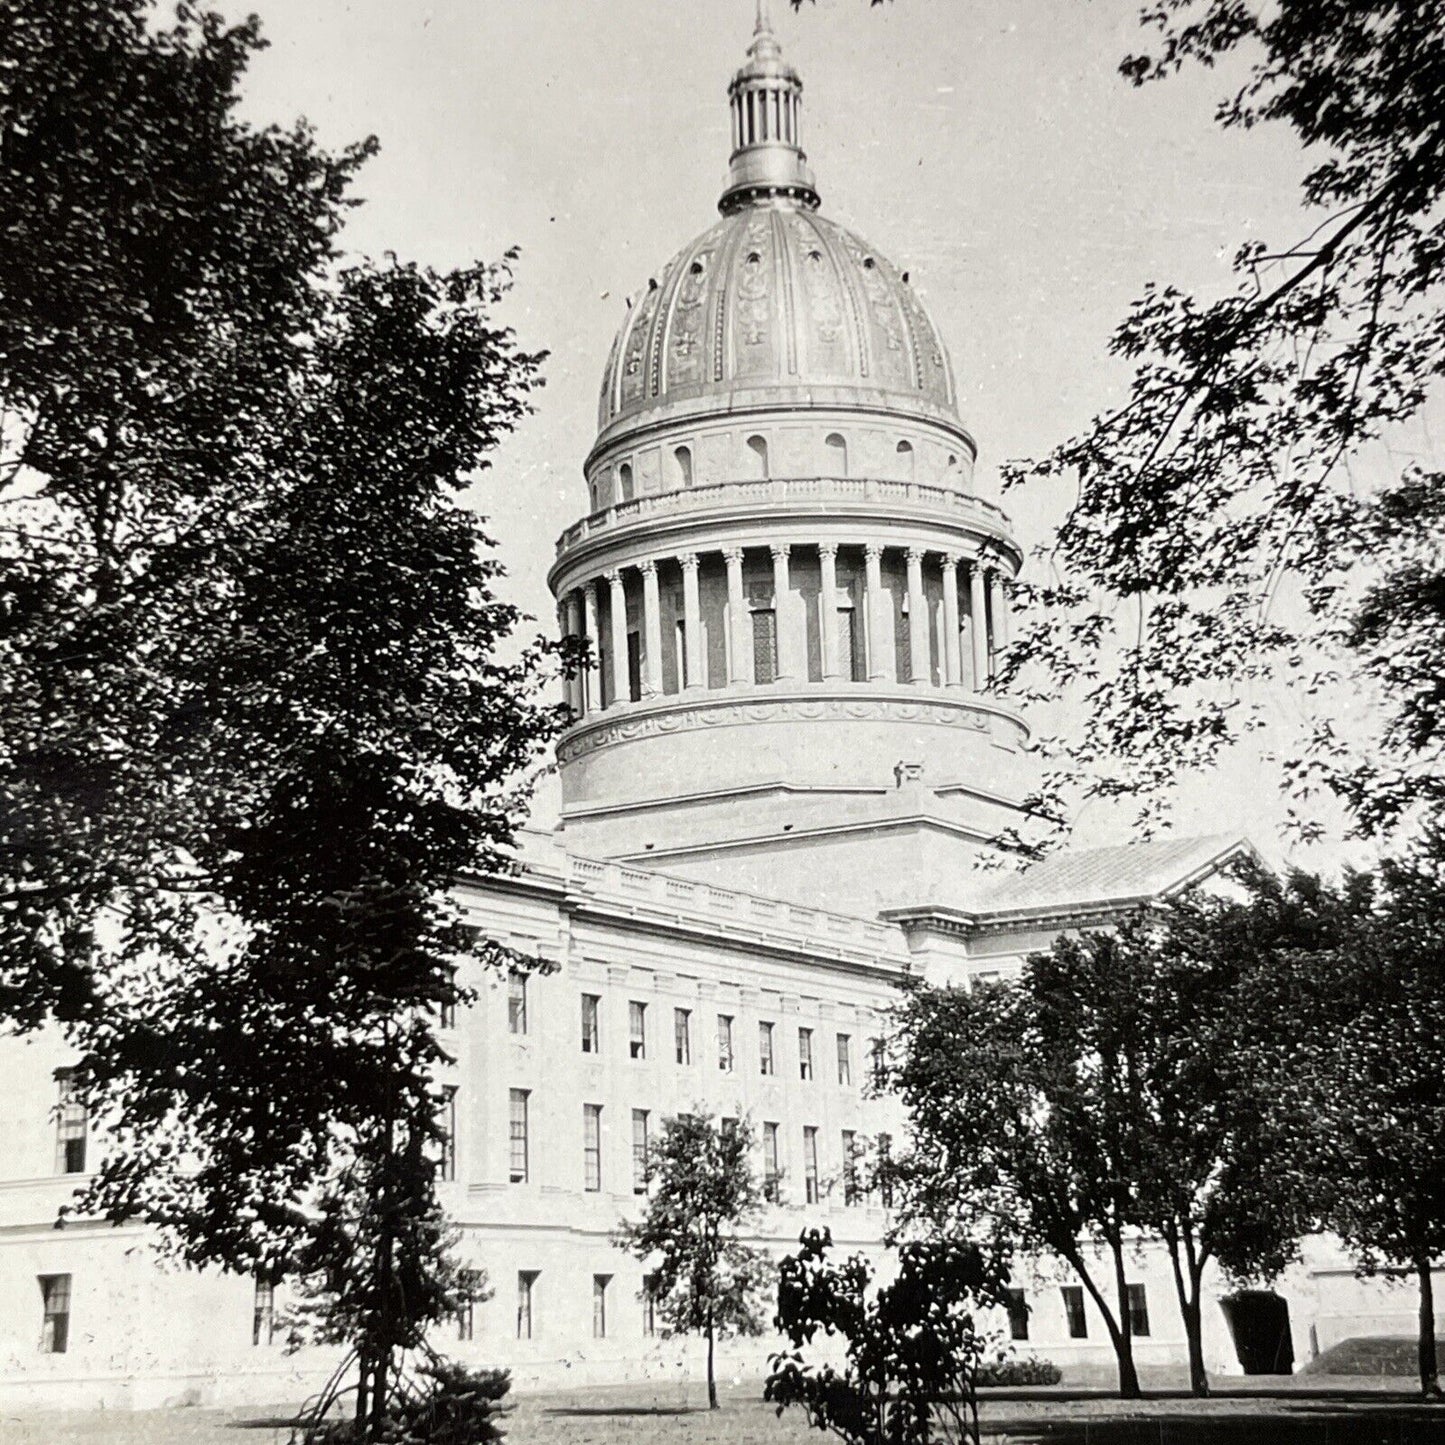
{"x": 1315, "y": 1411}
{"x": 1369, "y": 1355}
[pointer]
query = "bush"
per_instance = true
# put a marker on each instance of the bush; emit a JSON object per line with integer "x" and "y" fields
{"x": 1010, "y": 1370}
{"x": 447, "y": 1405}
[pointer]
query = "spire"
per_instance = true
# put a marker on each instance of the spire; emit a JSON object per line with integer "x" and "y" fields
{"x": 766, "y": 98}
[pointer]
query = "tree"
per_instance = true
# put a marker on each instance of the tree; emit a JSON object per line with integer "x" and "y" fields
{"x": 914, "y": 1347}
{"x": 702, "y": 1194}
{"x": 1230, "y": 522}
{"x": 254, "y": 719}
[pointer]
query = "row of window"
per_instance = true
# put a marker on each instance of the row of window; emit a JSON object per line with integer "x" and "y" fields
{"x": 682, "y": 1032}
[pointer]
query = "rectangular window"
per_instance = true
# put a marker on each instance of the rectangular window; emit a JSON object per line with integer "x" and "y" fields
{"x": 772, "y": 1173}
{"x": 765, "y": 645}
{"x": 592, "y": 1147}
{"x": 810, "y": 1163}
{"x": 1018, "y": 1315}
{"x": 469, "y": 1294}
{"x": 765, "y": 1048}
{"x": 649, "y": 1305}
{"x": 263, "y": 1311}
{"x": 725, "y": 1043}
{"x": 850, "y": 646}
{"x": 639, "y": 1151}
{"x": 447, "y": 1009}
{"x": 845, "y": 1059}
{"x": 517, "y": 1136}
{"x": 805, "y": 1053}
{"x": 1074, "y": 1311}
{"x": 885, "y": 1170}
{"x": 634, "y": 666}
{"x": 517, "y": 1003}
{"x": 448, "y": 1124}
{"x": 682, "y": 1034}
{"x": 70, "y": 1126}
{"x": 682, "y": 677}
{"x": 591, "y": 1029}
{"x": 526, "y": 1299}
{"x": 850, "y": 1167}
{"x": 1138, "y": 1310}
{"x": 877, "y": 1063}
{"x": 599, "y": 1305}
{"x": 637, "y": 1029}
{"x": 55, "y": 1320}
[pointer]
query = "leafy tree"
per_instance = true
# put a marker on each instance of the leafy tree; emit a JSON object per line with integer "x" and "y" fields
{"x": 914, "y": 1347}
{"x": 702, "y": 1196}
{"x": 1229, "y": 524}
{"x": 254, "y": 719}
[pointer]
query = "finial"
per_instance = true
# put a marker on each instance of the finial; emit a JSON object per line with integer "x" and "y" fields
{"x": 763, "y": 25}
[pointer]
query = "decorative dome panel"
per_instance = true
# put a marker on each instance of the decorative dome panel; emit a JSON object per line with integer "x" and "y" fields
{"x": 780, "y": 303}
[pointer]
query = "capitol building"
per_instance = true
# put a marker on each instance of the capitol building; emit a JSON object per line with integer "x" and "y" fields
{"x": 785, "y": 769}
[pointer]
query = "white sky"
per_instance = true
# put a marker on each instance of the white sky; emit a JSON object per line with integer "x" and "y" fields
{"x": 989, "y": 147}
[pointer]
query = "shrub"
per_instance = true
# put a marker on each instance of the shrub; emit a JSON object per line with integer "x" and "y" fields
{"x": 1010, "y": 1370}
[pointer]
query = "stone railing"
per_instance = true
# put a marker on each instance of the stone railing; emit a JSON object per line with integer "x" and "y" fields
{"x": 816, "y": 930}
{"x": 745, "y": 496}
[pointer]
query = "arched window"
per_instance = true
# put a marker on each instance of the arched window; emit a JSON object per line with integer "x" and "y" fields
{"x": 837, "y": 454}
{"x": 905, "y": 461}
{"x": 758, "y": 446}
{"x": 682, "y": 456}
{"x": 624, "y": 480}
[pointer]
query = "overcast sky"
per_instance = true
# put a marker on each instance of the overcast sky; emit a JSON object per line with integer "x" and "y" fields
{"x": 989, "y": 147}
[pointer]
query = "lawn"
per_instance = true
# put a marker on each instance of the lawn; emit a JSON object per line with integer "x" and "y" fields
{"x": 1313, "y": 1411}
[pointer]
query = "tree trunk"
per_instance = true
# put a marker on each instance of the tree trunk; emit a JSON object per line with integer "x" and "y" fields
{"x": 1190, "y": 1312}
{"x": 711, "y": 1379}
{"x": 1124, "y": 1332}
{"x": 1429, "y": 1367}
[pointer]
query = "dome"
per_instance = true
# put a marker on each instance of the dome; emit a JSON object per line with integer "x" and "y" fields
{"x": 775, "y": 305}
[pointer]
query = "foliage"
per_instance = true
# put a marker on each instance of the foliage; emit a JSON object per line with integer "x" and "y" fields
{"x": 1128, "y": 1082}
{"x": 1226, "y": 527}
{"x": 914, "y": 1346}
{"x": 255, "y": 716}
{"x": 702, "y": 1196}
{"x": 446, "y": 1404}
{"x": 1013, "y": 1370}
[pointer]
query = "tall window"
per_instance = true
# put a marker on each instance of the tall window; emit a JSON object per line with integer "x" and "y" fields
{"x": 637, "y": 1029}
{"x": 805, "y": 1053}
{"x": 905, "y": 461}
{"x": 837, "y": 451}
{"x": 1074, "y": 1311}
{"x": 1018, "y": 1315}
{"x": 517, "y": 1136}
{"x": 649, "y": 1305}
{"x": 592, "y": 1147}
{"x": 517, "y": 1003}
{"x": 765, "y": 645}
{"x": 469, "y": 1293}
{"x": 447, "y": 1009}
{"x": 877, "y": 1063}
{"x": 526, "y": 1298}
{"x": 263, "y": 1311}
{"x": 682, "y": 1034}
{"x": 885, "y": 1175}
{"x": 765, "y": 1048}
{"x": 599, "y": 1305}
{"x": 682, "y": 456}
{"x": 845, "y": 1059}
{"x": 624, "y": 477}
{"x": 850, "y": 1167}
{"x": 772, "y": 1173}
{"x": 448, "y": 1124}
{"x": 1138, "y": 1310}
{"x": 70, "y": 1126}
{"x": 810, "y": 1163}
{"x": 639, "y": 1151}
{"x": 758, "y": 455}
{"x": 634, "y": 666}
{"x": 55, "y": 1317}
{"x": 850, "y": 645}
{"x": 591, "y": 1030}
{"x": 725, "y": 1043}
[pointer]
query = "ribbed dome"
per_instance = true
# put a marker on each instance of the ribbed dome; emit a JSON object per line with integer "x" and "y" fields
{"x": 776, "y": 305}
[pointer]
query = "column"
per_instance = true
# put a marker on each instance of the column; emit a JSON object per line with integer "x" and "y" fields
{"x": 1000, "y": 610}
{"x": 920, "y": 664}
{"x": 978, "y": 624}
{"x": 692, "y": 624}
{"x": 783, "y": 614}
{"x": 592, "y": 673}
{"x": 952, "y": 659}
{"x": 740, "y": 661}
{"x": 651, "y": 632}
{"x": 828, "y": 603}
{"x": 879, "y": 645}
{"x": 621, "y": 692}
